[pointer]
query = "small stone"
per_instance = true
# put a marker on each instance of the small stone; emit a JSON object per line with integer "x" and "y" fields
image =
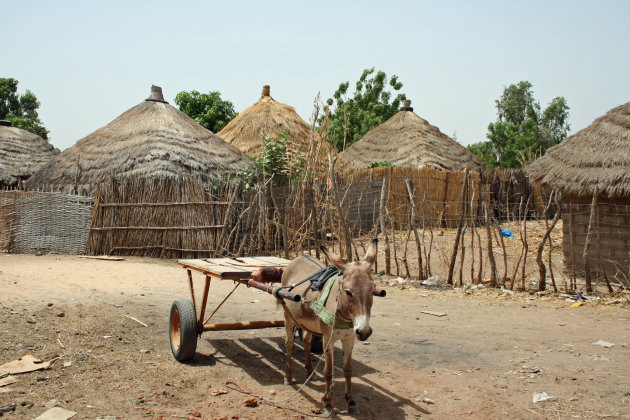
{"x": 61, "y": 314}
{"x": 53, "y": 403}
{"x": 145, "y": 351}
{"x": 50, "y": 304}
{"x": 272, "y": 392}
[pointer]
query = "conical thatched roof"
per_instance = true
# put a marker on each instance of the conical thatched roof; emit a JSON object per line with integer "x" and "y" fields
{"x": 152, "y": 139}
{"x": 408, "y": 140}
{"x": 267, "y": 116}
{"x": 595, "y": 158}
{"x": 21, "y": 153}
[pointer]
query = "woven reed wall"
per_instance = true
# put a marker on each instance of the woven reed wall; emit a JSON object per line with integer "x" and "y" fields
{"x": 166, "y": 218}
{"x": 437, "y": 194}
{"x": 44, "y": 222}
{"x": 610, "y": 250}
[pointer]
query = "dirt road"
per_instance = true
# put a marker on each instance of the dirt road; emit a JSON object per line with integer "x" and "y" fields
{"x": 485, "y": 359}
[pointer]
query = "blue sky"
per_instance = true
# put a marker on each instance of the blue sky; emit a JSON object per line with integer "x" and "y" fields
{"x": 89, "y": 61}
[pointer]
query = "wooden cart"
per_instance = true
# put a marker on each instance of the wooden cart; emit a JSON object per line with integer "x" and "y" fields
{"x": 187, "y": 317}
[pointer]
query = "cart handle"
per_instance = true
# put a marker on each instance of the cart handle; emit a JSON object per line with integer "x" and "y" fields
{"x": 276, "y": 291}
{"x": 379, "y": 292}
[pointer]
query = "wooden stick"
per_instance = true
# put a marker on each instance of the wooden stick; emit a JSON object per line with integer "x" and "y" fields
{"x": 137, "y": 320}
{"x": 587, "y": 244}
{"x": 382, "y": 206}
{"x": 412, "y": 226}
{"x": 542, "y": 271}
{"x": 451, "y": 267}
{"x": 493, "y": 264}
{"x": 342, "y": 217}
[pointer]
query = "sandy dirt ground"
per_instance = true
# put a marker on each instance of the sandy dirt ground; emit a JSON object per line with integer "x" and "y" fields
{"x": 485, "y": 359}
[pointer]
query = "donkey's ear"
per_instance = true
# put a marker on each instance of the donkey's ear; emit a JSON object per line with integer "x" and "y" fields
{"x": 370, "y": 255}
{"x": 334, "y": 259}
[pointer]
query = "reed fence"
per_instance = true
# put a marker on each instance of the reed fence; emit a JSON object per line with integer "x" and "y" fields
{"x": 441, "y": 227}
{"x": 44, "y": 222}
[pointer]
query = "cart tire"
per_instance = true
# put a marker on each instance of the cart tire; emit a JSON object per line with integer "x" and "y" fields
{"x": 183, "y": 330}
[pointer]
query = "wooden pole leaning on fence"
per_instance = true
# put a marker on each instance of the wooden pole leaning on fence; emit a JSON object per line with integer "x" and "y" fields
{"x": 383, "y": 204}
{"x": 412, "y": 204}
{"x": 451, "y": 267}
{"x": 342, "y": 217}
{"x": 587, "y": 244}
{"x": 542, "y": 270}
{"x": 493, "y": 264}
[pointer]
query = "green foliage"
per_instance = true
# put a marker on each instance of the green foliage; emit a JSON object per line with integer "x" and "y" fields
{"x": 351, "y": 117}
{"x": 522, "y": 132}
{"x": 381, "y": 164}
{"x": 208, "y": 109}
{"x": 20, "y": 110}
{"x": 274, "y": 162}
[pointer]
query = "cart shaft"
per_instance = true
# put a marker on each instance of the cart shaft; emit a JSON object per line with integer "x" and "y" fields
{"x": 246, "y": 325}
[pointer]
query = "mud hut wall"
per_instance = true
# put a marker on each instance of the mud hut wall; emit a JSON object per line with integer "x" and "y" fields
{"x": 609, "y": 253}
{"x": 44, "y": 222}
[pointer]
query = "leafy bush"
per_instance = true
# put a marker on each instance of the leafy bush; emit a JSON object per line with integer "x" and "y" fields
{"x": 381, "y": 164}
{"x": 274, "y": 162}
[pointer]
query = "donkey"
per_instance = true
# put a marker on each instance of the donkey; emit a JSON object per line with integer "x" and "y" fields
{"x": 350, "y": 301}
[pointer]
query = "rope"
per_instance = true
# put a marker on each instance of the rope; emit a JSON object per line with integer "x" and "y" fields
{"x": 235, "y": 387}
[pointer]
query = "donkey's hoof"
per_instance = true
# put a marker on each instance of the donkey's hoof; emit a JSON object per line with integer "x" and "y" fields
{"x": 353, "y": 409}
{"x": 289, "y": 381}
{"x": 329, "y": 412}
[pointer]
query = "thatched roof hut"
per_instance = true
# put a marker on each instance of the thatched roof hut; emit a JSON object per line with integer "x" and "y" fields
{"x": 593, "y": 159}
{"x": 591, "y": 167}
{"x": 267, "y": 116}
{"x": 408, "y": 140}
{"x": 21, "y": 153}
{"x": 152, "y": 139}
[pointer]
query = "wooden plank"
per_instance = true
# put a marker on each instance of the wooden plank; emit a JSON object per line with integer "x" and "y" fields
{"x": 229, "y": 267}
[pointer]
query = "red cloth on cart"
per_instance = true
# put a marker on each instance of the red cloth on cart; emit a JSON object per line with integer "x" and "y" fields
{"x": 268, "y": 274}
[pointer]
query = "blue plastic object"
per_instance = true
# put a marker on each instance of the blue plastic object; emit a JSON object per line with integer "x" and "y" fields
{"x": 507, "y": 233}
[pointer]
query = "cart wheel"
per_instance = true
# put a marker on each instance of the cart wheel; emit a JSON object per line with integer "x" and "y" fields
{"x": 183, "y": 330}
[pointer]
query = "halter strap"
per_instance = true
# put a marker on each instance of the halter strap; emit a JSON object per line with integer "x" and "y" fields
{"x": 319, "y": 307}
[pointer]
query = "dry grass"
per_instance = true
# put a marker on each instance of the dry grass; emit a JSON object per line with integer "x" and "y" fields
{"x": 21, "y": 153}
{"x": 151, "y": 140}
{"x": 593, "y": 160}
{"x": 408, "y": 140}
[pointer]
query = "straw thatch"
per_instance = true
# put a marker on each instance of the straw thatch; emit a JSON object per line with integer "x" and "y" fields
{"x": 593, "y": 159}
{"x": 152, "y": 139}
{"x": 408, "y": 140}
{"x": 21, "y": 153}
{"x": 267, "y": 116}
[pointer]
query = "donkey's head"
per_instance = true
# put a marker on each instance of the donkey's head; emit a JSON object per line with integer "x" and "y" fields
{"x": 355, "y": 303}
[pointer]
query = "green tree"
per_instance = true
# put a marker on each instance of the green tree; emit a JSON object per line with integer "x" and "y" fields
{"x": 21, "y": 110}
{"x": 351, "y": 117}
{"x": 522, "y": 132}
{"x": 208, "y": 109}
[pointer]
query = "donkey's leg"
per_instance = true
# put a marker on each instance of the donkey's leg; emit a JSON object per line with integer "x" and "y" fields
{"x": 306, "y": 340}
{"x": 347, "y": 344}
{"x": 288, "y": 340}
{"x": 329, "y": 365}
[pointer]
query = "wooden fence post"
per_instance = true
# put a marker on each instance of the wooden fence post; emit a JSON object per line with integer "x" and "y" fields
{"x": 421, "y": 273}
{"x": 587, "y": 245}
{"x": 342, "y": 218}
{"x": 451, "y": 266}
{"x": 493, "y": 265}
{"x": 382, "y": 206}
